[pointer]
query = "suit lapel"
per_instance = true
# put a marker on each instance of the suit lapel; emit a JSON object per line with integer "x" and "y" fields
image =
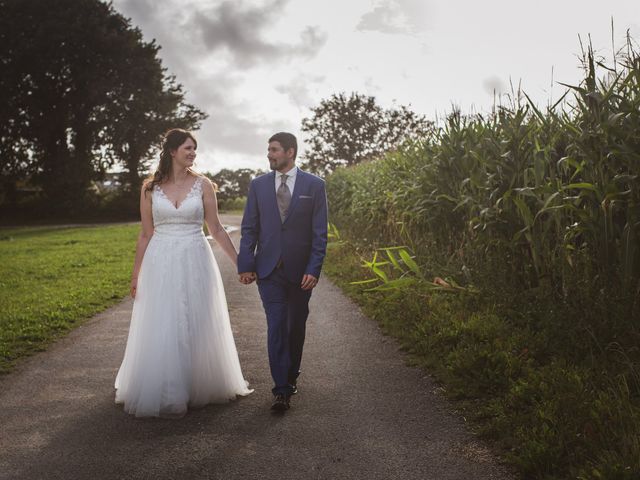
{"x": 271, "y": 193}
{"x": 301, "y": 178}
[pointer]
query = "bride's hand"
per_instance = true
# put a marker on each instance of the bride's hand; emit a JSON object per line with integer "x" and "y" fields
{"x": 134, "y": 287}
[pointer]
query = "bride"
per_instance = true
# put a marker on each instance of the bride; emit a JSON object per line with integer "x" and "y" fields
{"x": 180, "y": 351}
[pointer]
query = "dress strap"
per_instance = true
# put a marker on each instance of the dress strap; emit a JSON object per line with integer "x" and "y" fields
{"x": 198, "y": 184}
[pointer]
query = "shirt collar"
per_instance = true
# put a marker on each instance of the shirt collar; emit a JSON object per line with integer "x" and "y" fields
{"x": 291, "y": 174}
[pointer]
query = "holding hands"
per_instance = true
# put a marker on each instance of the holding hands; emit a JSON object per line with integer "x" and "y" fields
{"x": 247, "y": 277}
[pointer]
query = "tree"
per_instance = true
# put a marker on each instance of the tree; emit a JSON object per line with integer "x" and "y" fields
{"x": 345, "y": 130}
{"x": 80, "y": 90}
{"x": 135, "y": 138}
{"x": 233, "y": 184}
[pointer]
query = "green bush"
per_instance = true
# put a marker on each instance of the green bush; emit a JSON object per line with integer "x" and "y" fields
{"x": 233, "y": 204}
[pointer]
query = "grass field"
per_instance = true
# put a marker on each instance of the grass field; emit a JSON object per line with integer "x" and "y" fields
{"x": 52, "y": 279}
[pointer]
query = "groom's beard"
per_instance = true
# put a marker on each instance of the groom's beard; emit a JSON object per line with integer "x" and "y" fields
{"x": 275, "y": 165}
{"x": 279, "y": 165}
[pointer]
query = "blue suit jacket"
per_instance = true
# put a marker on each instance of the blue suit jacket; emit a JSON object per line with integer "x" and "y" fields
{"x": 300, "y": 241}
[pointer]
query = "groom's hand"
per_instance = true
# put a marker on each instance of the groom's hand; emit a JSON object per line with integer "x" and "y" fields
{"x": 308, "y": 282}
{"x": 247, "y": 277}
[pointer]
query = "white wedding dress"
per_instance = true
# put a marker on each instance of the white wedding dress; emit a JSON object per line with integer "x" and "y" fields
{"x": 180, "y": 351}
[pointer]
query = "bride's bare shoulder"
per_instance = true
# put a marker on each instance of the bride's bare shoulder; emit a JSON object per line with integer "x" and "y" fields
{"x": 208, "y": 183}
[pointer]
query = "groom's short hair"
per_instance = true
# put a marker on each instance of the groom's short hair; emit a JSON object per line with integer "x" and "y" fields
{"x": 287, "y": 140}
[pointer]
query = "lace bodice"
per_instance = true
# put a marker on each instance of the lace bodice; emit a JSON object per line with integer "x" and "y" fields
{"x": 187, "y": 219}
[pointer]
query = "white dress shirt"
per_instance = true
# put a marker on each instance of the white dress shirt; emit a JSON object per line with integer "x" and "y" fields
{"x": 291, "y": 179}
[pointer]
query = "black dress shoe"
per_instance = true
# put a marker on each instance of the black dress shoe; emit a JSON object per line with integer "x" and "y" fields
{"x": 280, "y": 403}
{"x": 294, "y": 389}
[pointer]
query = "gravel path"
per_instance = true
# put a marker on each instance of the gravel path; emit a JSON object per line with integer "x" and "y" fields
{"x": 361, "y": 412}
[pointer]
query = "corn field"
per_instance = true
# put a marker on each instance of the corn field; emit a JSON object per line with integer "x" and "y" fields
{"x": 553, "y": 195}
{"x": 539, "y": 208}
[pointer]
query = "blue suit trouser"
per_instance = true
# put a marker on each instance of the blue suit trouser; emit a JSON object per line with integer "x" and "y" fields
{"x": 287, "y": 308}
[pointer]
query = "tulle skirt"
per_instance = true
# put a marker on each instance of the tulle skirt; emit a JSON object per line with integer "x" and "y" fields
{"x": 180, "y": 351}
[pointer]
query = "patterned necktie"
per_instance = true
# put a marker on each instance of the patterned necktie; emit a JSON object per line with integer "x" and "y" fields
{"x": 284, "y": 197}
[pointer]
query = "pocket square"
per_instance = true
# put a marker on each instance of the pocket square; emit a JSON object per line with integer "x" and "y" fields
{"x": 305, "y": 196}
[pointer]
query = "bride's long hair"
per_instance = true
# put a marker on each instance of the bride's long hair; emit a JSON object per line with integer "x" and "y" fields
{"x": 171, "y": 141}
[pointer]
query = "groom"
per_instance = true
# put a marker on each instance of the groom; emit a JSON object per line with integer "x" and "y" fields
{"x": 284, "y": 239}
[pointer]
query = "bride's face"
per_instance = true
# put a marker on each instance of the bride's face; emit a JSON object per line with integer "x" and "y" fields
{"x": 185, "y": 155}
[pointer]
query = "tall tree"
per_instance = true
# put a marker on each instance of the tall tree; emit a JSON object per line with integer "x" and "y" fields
{"x": 344, "y": 130}
{"x": 152, "y": 111}
{"x": 82, "y": 90}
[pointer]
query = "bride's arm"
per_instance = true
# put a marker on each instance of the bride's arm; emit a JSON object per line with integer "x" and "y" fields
{"x": 146, "y": 232}
{"x": 214, "y": 225}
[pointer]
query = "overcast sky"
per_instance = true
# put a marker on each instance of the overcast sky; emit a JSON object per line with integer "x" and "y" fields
{"x": 256, "y": 67}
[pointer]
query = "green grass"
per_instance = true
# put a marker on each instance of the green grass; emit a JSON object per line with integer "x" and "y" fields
{"x": 52, "y": 279}
{"x": 505, "y": 361}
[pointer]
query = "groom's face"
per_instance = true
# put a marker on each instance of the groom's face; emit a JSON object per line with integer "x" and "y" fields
{"x": 279, "y": 159}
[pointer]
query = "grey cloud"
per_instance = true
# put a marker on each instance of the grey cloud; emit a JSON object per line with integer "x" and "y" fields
{"x": 371, "y": 85}
{"x": 143, "y": 11}
{"x": 241, "y": 135}
{"x": 312, "y": 40}
{"x": 208, "y": 46}
{"x": 298, "y": 90}
{"x": 395, "y": 17}
{"x": 203, "y": 46}
{"x": 494, "y": 85}
{"x": 382, "y": 19}
{"x": 227, "y": 128}
{"x": 245, "y": 138}
{"x": 239, "y": 31}
{"x": 163, "y": 20}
